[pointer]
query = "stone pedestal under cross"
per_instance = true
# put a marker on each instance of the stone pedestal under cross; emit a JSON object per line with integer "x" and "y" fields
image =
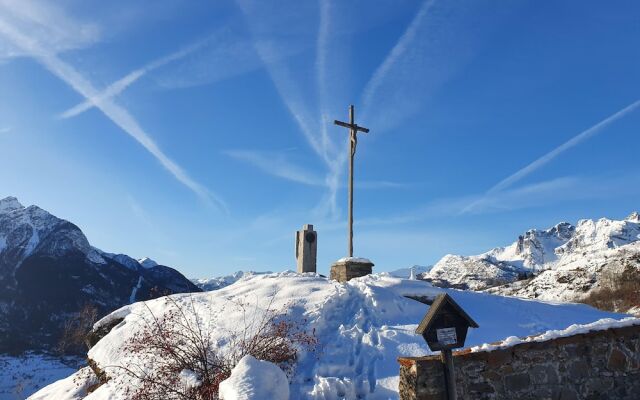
{"x": 348, "y": 268}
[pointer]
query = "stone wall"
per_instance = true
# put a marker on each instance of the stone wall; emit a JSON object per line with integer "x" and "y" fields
{"x": 596, "y": 365}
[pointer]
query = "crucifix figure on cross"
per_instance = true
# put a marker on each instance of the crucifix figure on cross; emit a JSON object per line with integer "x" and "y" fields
{"x": 353, "y": 130}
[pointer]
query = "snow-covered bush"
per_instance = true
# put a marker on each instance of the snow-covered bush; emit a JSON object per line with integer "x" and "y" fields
{"x": 180, "y": 360}
{"x": 253, "y": 379}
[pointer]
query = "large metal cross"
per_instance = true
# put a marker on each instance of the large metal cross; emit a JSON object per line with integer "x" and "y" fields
{"x": 353, "y": 130}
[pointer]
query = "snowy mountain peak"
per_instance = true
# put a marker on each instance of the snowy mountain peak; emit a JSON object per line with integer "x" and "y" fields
{"x": 146, "y": 262}
{"x": 534, "y": 248}
{"x": 591, "y": 235}
{"x": 9, "y": 204}
{"x": 48, "y": 269}
{"x": 536, "y": 251}
{"x": 633, "y": 217}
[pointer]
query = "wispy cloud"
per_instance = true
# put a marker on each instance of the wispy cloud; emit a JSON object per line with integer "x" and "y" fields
{"x": 539, "y": 194}
{"x": 573, "y": 188}
{"x": 117, "y": 114}
{"x": 276, "y": 164}
{"x": 230, "y": 52}
{"x": 384, "y": 185}
{"x": 57, "y": 31}
{"x": 140, "y": 213}
{"x": 121, "y": 84}
{"x": 535, "y": 194}
{"x": 6, "y": 129}
{"x": 548, "y": 157}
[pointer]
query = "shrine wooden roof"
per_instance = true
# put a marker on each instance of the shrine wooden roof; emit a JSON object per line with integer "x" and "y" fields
{"x": 434, "y": 310}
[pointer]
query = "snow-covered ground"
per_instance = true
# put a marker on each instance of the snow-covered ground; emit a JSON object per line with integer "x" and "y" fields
{"x": 24, "y": 375}
{"x": 362, "y": 327}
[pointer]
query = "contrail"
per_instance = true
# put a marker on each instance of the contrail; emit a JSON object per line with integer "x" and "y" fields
{"x": 321, "y": 68}
{"x": 281, "y": 79}
{"x": 293, "y": 99}
{"x": 288, "y": 93}
{"x": 335, "y": 168}
{"x": 114, "y": 112}
{"x": 574, "y": 141}
{"x": 394, "y": 55}
{"x": 118, "y": 86}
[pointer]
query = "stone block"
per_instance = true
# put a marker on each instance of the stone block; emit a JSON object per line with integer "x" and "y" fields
{"x": 577, "y": 350}
{"x": 617, "y": 360}
{"x": 346, "y": 269}
{"x": 568, "y": 394}
{"x": 544, "y": 374}
{"x": 517, "y": 382}
{"x": 481, "y": 387}
{"x": 498, "y": 358}
{"x": 578, "y": 370}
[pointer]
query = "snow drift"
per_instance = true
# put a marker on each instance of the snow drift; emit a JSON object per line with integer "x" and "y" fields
{"x": 254, "y": 379}
{"x": 362, "y": 327}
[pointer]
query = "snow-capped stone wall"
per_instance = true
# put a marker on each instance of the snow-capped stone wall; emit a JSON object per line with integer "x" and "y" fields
{"x": 591, "y": 364}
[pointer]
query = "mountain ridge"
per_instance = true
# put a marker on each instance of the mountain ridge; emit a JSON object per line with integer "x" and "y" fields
{"x": 49, "y": 271}
{"x": 533, "y": 252}
{"x": 562, "y": 263}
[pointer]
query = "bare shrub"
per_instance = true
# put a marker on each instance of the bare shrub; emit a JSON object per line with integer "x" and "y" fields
{"x": 617, "y": 292}
{"x": 179, "y": 359}
{"x": 75, "y": 330}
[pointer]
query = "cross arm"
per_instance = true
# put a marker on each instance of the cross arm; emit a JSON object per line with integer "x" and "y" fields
{"x": 351, "y": 126}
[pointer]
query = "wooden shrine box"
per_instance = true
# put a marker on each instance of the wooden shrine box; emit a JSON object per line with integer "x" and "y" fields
{"x": 445, "y": 325}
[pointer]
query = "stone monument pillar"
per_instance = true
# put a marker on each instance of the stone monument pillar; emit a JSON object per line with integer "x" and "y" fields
{"x": 306, "y": 249}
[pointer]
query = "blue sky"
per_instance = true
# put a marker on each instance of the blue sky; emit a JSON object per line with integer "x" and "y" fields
{"x": 200, "y": 133}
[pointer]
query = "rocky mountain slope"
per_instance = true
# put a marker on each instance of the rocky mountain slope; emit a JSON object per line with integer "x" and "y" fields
{"x": 563, "y": 263}
{"x": 49, "y": 271}
{"x": 608, "y": 279}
